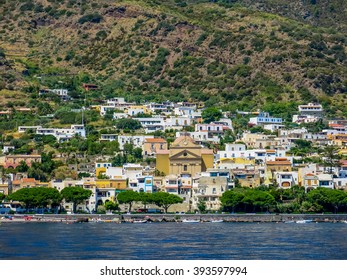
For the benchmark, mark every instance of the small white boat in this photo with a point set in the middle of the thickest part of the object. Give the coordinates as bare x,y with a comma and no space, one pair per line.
139,221
190,221
344,221
217,221
304,221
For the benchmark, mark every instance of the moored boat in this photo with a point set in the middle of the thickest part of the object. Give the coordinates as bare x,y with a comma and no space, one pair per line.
139,221
304,221
217,221
190,221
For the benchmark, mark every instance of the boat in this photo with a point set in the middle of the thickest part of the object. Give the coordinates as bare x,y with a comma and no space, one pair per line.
139,221
217,221
190,221
304,221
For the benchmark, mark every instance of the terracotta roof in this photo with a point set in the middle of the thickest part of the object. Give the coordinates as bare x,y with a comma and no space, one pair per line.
206,151
16,182
335,125
183,137
155,140
28,180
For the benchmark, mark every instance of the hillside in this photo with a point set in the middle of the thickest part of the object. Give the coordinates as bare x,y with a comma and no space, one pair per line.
240,54
324,13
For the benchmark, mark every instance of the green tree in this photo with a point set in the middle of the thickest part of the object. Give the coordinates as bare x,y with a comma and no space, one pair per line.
165,200
75,195
128,197
211,114
202,206
231,199
22,167
130,124
111,206
37,197
145,198
2,197
137,152
25,196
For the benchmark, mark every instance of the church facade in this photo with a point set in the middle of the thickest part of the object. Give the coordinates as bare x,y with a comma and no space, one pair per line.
184,158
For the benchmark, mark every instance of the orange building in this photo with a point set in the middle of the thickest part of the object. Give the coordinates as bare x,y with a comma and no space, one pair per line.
152,145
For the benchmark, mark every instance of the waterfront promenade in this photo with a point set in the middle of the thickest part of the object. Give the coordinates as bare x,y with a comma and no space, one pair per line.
118,218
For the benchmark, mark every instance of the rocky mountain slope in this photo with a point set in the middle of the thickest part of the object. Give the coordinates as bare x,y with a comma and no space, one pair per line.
238,54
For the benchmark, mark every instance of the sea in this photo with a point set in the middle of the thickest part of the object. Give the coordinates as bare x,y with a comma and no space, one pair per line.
173,241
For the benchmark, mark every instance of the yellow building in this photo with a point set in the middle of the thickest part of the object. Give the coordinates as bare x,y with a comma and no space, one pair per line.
152,145
184,157
4,188
100,171
277,165
233,161
119,184
135,109
28,183
339,139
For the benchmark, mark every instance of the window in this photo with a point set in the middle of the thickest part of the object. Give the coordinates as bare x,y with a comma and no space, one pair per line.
185,167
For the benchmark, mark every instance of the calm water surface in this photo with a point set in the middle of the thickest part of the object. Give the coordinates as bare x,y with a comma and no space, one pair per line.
154,241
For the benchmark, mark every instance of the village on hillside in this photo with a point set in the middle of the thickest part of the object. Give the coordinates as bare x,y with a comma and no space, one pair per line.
180,148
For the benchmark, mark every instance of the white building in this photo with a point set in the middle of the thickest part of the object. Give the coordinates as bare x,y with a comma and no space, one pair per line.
185,110
264,118
200,137
117,116
142,184
209,190
136,140
286,179
273,127
105,108
308,113
177,122
239,151
165,107
152,124
311,109
108,137
115,172
62,93
325,181
62,134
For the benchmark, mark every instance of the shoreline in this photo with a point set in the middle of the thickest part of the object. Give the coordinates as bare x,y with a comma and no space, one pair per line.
177,218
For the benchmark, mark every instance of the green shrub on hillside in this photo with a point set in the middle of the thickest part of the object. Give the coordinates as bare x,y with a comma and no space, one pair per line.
94,18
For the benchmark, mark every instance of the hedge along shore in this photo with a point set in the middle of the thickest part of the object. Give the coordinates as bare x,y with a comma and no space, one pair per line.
118,218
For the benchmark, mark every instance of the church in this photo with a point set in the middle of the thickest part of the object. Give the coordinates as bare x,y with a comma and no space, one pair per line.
184,158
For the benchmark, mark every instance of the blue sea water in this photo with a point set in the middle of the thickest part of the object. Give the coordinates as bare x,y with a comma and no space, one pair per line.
163,241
